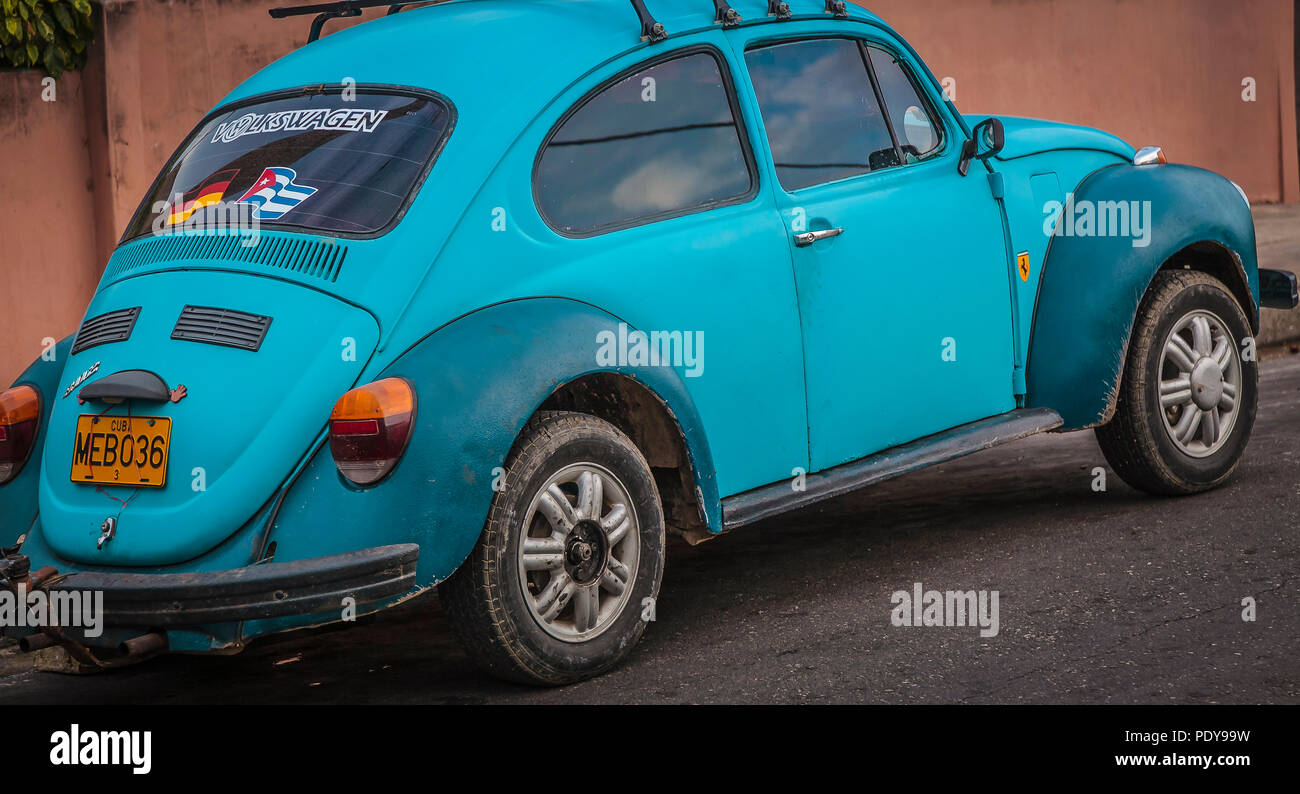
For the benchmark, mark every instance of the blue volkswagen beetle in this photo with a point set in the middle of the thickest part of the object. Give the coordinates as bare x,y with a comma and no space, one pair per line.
419,305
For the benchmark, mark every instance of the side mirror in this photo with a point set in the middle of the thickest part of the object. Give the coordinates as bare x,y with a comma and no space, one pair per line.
987,139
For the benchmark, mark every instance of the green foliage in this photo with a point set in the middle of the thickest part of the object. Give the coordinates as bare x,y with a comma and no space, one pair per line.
47,34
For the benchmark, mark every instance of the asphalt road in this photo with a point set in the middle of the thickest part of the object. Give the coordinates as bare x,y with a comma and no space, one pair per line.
1108,596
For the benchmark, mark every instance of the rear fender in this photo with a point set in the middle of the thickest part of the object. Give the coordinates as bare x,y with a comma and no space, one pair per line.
477,381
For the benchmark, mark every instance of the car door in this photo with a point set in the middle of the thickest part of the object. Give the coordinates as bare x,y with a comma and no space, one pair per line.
650,205
900,262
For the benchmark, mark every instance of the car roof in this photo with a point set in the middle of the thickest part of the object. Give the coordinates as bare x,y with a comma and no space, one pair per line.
499,62
519,53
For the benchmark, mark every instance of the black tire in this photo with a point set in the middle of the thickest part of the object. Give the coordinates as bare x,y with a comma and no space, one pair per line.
485,597
1136,442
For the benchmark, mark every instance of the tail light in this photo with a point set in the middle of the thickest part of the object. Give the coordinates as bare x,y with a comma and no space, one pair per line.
20,417
369,429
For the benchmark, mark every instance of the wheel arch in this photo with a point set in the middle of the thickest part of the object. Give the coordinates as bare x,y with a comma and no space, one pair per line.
645,417
1213,258
1084,314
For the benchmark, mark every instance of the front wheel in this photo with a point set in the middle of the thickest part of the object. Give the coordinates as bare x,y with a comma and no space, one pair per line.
1187,398
570,559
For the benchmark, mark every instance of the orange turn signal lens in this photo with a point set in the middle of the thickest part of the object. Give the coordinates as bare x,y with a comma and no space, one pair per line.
370,427
19,405
20,416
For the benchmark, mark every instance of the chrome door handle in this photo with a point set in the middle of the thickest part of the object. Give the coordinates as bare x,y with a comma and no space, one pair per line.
808,238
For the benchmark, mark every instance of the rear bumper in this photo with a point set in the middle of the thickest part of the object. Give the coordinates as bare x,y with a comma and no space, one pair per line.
271,590
1277,289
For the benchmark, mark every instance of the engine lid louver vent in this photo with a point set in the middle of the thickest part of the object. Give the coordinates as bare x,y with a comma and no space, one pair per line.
221,327
115,326
321,259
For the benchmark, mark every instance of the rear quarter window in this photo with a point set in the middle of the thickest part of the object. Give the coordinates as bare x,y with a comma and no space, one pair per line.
914,120
659,142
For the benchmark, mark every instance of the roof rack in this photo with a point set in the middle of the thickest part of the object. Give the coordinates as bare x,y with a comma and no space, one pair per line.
344,8
651,30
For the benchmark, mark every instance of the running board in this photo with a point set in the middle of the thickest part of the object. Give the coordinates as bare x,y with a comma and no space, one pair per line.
780,497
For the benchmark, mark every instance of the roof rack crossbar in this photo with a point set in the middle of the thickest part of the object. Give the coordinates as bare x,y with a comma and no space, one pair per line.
651,30
401,5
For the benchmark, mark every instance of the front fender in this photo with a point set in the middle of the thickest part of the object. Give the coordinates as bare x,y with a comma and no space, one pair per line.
18,497
1092,285
477,381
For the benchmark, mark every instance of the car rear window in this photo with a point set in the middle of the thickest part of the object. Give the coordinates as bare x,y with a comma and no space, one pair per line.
657,143
327,162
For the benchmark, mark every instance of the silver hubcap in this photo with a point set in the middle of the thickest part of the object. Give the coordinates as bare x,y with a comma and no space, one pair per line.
578,557
1200,380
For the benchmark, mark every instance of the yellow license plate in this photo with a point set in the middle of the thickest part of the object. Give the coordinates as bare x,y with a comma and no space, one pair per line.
122,450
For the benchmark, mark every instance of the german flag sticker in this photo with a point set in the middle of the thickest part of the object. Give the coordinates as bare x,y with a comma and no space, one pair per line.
1022,265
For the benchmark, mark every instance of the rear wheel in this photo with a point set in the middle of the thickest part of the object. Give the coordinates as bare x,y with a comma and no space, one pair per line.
571,554
1187,399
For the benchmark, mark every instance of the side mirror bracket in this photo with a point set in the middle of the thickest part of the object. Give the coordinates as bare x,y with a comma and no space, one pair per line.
986,140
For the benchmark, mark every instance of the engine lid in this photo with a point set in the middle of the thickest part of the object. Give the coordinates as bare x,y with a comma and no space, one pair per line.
236,372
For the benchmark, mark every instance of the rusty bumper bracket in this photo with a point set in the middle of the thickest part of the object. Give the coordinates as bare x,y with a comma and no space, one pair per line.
269,590
17,577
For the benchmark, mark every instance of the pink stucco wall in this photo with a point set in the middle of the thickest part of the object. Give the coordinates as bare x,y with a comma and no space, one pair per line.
48,262
1165,72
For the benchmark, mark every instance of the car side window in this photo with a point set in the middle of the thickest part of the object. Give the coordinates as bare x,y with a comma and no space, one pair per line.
660,142
821,113
912,117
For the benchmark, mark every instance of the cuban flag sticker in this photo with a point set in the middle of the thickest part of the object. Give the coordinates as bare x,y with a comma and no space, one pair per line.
275,193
